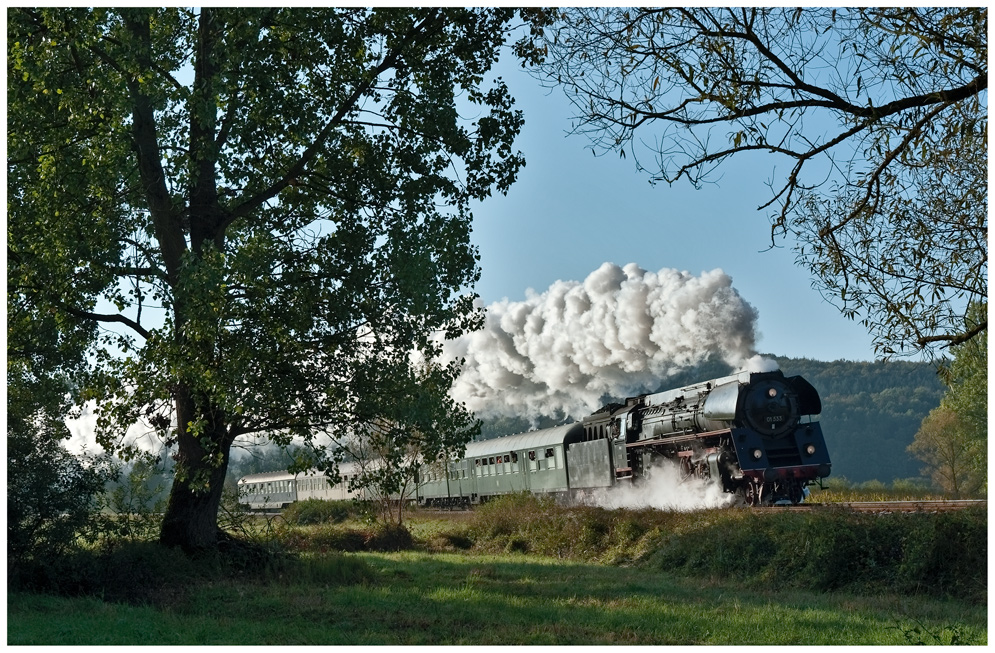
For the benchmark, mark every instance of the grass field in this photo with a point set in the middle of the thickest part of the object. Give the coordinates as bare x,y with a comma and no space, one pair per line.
471,599
523,570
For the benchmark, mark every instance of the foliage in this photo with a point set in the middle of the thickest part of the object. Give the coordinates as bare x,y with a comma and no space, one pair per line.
953,439
52,500
269,206
531,524
143,573
52,494
321,539
317,511
880,114
390,448
944,445
942,554
138,500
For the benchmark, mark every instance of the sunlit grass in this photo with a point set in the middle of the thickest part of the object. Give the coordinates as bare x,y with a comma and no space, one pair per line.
419,598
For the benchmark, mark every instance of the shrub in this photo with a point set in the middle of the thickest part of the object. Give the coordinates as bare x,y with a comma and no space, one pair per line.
130,571
321,539
940,554
389,537
317,511
52,501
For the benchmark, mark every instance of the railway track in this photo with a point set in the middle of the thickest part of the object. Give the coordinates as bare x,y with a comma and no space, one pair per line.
889,506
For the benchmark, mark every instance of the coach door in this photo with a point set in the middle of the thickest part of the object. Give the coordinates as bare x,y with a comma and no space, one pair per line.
522,469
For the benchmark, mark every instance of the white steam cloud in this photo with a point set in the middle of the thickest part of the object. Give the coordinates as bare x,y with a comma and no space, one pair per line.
664,489
619,332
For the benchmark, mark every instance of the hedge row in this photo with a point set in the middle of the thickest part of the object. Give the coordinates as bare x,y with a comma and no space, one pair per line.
943,554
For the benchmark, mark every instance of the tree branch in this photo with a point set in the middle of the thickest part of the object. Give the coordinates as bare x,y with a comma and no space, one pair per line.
247,206
98,317
954,339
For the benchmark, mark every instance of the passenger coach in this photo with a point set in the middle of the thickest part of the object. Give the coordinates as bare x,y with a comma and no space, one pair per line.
277,490
528,462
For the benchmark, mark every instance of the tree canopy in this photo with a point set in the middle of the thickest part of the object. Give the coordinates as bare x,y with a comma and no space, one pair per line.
264,211
879,113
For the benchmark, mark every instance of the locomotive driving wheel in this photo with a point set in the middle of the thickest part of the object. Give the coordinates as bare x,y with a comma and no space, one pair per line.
750,492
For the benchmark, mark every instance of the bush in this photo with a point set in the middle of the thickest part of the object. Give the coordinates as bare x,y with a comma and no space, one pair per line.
317,511
321,539
52,500
534,524
132,572
389,537
143,573
939,554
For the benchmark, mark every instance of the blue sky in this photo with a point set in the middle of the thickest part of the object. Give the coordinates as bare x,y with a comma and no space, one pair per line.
571,211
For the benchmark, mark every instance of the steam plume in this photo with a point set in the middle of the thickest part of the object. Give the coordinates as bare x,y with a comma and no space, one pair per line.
663,488
619,332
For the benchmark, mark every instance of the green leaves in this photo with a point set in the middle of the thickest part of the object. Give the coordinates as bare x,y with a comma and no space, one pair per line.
274,200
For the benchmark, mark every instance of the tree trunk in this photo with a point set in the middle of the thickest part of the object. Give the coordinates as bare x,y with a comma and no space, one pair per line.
191,518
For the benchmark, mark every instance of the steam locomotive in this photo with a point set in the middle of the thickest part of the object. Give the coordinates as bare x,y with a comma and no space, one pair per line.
756,434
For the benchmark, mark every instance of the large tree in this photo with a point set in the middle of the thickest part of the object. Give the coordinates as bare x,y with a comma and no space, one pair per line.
879,114
267,208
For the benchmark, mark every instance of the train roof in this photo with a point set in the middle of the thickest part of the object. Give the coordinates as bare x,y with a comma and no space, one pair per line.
265,477
532,440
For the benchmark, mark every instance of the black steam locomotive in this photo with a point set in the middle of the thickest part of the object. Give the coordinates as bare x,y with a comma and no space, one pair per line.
757,434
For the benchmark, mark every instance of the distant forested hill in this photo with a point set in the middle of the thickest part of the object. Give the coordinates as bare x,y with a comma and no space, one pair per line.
870,411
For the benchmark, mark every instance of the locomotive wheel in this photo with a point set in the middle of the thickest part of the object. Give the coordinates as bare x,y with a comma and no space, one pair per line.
750,493
687,469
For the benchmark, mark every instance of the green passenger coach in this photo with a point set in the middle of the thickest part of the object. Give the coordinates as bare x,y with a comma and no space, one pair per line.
528,462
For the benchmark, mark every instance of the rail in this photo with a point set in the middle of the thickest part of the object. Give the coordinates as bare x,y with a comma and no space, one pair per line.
891,506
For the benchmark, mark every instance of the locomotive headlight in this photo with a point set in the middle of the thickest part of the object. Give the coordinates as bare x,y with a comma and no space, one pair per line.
772,393
810,449
757,454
